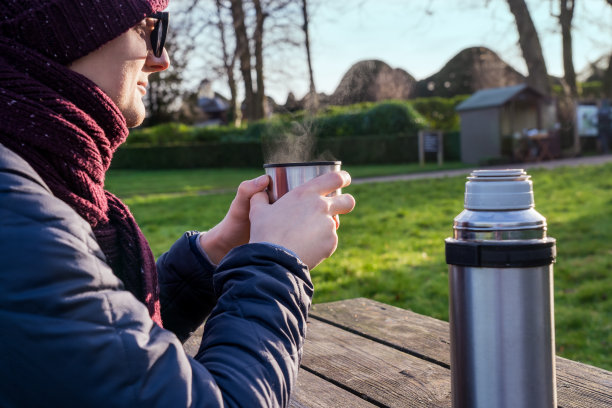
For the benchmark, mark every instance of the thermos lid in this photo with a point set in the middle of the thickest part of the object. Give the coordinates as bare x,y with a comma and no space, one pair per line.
508,189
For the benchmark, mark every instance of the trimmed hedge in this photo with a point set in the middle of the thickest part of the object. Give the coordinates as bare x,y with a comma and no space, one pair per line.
357,120
364,133
351,150
215,154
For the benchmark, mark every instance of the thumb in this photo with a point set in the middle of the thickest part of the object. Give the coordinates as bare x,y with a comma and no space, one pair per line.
250,187
246,189
259,199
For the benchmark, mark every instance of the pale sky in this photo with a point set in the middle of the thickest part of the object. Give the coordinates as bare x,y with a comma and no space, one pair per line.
402,34
420,36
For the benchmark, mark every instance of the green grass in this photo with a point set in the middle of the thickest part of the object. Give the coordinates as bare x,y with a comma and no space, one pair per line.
128,183
392,246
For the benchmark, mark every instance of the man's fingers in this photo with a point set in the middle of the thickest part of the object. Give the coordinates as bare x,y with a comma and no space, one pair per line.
247,188
329,182
342,204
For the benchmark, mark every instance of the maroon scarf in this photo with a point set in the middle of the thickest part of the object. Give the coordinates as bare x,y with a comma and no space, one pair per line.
67,129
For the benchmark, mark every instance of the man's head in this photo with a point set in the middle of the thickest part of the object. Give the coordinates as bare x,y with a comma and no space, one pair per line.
108,41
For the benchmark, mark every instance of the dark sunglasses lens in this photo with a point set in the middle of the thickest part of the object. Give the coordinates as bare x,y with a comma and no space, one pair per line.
156,37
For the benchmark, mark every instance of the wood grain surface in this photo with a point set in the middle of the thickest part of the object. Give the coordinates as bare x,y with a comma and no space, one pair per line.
578,385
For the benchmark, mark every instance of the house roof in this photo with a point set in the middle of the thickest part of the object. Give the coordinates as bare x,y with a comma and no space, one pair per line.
492,97
212,105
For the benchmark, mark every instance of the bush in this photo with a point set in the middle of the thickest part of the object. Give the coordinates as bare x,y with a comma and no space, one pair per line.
173,134
385,118
440,112
164,134
363,133
592,89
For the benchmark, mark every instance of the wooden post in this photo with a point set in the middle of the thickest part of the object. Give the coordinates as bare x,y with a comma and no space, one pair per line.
440,148
421,148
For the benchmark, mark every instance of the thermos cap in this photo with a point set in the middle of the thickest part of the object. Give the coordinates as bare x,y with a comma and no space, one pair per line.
508,189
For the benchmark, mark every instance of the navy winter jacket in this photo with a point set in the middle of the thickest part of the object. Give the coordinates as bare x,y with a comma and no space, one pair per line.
70,336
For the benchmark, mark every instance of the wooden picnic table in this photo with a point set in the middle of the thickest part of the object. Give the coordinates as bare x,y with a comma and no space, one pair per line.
363,353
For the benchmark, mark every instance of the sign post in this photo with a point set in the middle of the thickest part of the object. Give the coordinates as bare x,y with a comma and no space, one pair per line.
430,141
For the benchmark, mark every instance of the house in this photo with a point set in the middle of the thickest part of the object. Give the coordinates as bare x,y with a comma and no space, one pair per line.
213,105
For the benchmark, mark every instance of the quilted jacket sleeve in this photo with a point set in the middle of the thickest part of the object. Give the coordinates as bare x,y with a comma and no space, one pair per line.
186,286
70,336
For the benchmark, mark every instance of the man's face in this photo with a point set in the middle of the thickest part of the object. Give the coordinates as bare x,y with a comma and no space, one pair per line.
121,69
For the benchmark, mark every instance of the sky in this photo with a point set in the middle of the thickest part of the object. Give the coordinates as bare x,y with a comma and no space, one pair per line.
420,36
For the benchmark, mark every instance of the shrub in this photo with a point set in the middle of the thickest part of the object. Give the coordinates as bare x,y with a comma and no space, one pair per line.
164,134
591,89
440,112
172,134
368,118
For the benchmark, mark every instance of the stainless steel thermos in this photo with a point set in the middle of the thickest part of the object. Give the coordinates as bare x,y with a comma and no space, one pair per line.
501,297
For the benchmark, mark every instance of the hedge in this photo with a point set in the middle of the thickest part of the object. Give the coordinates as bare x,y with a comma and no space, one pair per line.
364,133
383,118
399,148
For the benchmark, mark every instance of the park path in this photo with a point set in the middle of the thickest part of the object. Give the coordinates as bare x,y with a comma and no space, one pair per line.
551,164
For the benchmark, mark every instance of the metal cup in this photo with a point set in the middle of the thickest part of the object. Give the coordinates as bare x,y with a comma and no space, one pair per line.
284,177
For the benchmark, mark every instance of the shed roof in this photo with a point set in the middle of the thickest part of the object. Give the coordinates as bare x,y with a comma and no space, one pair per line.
492,97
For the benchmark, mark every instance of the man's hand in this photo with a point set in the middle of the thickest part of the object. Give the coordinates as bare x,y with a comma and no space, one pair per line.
303,220
234,229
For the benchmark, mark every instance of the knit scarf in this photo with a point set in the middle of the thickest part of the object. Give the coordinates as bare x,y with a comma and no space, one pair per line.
67,129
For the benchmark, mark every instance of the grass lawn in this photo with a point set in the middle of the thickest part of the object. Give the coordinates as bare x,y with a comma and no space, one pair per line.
392,246
127,183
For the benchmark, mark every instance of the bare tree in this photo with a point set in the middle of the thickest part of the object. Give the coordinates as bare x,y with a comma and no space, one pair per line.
244,54
607,78
530,46
229,63
570,88
565,17
258,33
313,99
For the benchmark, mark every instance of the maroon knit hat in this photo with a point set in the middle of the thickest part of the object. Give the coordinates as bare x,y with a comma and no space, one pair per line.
65,30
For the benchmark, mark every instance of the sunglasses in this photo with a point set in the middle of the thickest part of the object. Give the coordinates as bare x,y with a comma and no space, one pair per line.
158,35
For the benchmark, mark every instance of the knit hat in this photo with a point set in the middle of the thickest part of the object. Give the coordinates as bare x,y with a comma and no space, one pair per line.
65,30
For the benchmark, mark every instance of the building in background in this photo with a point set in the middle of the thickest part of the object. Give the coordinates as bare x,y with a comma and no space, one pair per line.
213,106
495,122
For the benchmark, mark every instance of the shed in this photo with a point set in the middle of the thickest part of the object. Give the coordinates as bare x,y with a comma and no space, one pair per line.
491,117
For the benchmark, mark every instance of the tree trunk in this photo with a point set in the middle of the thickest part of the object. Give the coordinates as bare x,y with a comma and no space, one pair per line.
569,77
243,52
607,79
234,114
565,19
530,46
313,100
258,108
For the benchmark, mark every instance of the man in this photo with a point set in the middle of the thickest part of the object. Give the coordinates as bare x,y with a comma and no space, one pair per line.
82,303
